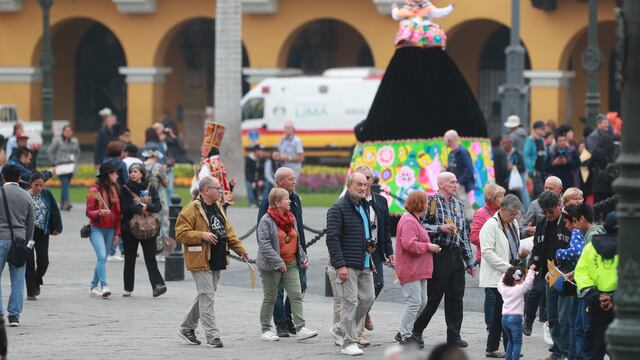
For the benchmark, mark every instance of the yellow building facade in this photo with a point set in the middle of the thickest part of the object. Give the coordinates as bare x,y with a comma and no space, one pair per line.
142,57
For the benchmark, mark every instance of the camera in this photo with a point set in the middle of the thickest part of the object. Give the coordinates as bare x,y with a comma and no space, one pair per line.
372,243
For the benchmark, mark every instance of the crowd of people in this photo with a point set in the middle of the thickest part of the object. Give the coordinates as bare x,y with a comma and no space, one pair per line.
565,276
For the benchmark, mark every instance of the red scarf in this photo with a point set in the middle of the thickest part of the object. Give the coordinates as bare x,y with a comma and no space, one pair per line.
284,220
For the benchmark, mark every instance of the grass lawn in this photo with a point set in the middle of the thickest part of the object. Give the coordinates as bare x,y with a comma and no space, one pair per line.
79,195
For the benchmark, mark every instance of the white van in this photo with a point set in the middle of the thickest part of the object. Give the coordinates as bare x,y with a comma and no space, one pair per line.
324,110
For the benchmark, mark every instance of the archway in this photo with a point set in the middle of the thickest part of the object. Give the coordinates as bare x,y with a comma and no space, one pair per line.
188,49
325,43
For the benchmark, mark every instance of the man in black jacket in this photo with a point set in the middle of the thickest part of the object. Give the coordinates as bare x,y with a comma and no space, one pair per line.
378,211
350,247
106,134
285,178
551,234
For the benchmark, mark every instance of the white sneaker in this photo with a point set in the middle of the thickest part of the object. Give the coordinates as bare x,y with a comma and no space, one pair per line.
106,292
126,293
352,349
305,333
96,291
115,258
270,336
337,334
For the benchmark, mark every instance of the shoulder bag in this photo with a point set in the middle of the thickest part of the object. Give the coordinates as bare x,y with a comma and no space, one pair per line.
18,251
143,226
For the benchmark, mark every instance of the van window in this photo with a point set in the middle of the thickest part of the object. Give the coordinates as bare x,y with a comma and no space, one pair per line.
253,109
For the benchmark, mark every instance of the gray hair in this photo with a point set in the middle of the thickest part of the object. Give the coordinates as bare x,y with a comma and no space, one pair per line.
281,173
452,134
556,180
205,182
511,203
367,168
351,176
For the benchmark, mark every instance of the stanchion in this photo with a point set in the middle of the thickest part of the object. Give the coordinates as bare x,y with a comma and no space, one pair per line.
174,263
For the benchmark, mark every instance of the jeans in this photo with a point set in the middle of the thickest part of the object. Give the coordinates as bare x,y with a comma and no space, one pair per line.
251,193
101,239
282,307
65,180
559,316
582,323
14,308
600,320
489,304
512,326
415,299
495,330
524,194
271,281
573,303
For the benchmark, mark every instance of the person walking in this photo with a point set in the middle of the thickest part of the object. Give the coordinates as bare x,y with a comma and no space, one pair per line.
106,134
414,263
204,229
461,165
138,197
103,211
500,243
279,255
285,178
65,150
18,221
350,248
157,175
47,221
114,156
513,288
517,133
493,195
535,156
290,150
447,227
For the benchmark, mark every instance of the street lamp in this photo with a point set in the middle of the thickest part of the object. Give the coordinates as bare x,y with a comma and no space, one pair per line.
513,93
624,333
592,62
46,66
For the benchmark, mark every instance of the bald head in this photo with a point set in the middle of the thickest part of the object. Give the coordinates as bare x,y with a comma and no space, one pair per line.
451,139
447,184
285,178
553,184
288,128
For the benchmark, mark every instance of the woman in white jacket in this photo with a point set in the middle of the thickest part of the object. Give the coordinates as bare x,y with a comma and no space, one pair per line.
499,243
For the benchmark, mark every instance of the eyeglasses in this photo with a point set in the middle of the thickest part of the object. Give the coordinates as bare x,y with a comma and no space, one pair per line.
368,177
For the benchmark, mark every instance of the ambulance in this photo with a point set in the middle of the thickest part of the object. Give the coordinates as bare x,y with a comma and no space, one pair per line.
324,110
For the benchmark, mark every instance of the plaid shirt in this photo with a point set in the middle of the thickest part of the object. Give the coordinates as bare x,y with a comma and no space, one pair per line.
452,210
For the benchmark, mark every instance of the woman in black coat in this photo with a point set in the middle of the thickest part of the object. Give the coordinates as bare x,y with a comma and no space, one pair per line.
137,197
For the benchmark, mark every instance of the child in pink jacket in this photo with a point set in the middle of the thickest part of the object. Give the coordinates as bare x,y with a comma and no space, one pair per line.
513,287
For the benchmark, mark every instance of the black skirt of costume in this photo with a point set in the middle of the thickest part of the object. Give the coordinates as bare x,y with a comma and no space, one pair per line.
422,95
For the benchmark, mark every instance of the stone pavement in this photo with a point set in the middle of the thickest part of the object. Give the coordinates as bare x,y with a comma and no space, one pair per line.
66,323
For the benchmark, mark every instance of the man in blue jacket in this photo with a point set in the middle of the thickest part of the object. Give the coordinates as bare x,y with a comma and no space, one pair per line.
535,156
22,159
461,165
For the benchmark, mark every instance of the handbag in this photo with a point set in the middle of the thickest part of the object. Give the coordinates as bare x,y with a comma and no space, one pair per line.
19,250
85,231
515,180
143,226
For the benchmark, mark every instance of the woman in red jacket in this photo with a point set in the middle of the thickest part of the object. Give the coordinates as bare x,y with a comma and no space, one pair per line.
103,211
414,263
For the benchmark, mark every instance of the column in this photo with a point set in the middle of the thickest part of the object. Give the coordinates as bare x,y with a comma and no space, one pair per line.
551,95
145,86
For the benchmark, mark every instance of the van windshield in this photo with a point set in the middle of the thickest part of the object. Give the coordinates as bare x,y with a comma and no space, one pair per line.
253,109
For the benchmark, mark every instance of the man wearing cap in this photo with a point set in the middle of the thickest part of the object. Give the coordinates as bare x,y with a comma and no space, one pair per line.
535,156
516,133
106,134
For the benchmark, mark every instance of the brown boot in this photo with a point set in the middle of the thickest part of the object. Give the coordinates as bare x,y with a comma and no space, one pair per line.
368,324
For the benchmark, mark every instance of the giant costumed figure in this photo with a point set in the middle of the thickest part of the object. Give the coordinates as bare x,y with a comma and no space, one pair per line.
211,163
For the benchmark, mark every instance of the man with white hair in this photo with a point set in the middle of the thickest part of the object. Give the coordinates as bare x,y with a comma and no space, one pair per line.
461,165
285,179
290,150
448,228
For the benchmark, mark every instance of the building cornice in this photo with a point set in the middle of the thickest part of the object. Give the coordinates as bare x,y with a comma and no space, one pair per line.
256,75
19,74
259,6
136,6
144,75
549,78
10,5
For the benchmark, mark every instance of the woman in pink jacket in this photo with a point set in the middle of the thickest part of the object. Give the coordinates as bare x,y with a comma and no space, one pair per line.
414,263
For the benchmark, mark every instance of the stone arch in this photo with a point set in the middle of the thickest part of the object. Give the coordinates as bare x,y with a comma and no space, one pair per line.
352,48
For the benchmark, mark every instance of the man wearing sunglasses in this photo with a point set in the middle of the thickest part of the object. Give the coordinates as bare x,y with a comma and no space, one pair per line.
551,234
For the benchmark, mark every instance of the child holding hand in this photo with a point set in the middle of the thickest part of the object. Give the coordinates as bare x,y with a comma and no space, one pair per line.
513,288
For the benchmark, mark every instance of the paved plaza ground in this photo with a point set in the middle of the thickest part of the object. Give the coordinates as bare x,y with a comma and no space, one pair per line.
65,323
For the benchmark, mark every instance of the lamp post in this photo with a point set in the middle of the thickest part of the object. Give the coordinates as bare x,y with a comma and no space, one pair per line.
624,333
513,94
592,62
46,66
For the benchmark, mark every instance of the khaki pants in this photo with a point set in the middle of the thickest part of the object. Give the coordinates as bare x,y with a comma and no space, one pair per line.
202,307
356,295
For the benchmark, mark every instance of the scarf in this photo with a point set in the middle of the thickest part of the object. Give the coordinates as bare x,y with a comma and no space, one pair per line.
283,220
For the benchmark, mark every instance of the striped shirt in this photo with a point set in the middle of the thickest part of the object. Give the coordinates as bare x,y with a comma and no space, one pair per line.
446,212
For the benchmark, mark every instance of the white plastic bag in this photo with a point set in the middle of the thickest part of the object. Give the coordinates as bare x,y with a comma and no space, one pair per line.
547,335
515,180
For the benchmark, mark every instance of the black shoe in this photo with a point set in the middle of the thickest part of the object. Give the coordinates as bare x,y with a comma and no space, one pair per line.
189,337
291,328
459,343
159,290
31,297
398,337
419,339
14,321
527,328
214,343
282,331
37,291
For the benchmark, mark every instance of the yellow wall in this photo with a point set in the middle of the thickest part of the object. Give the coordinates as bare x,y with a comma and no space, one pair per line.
551,39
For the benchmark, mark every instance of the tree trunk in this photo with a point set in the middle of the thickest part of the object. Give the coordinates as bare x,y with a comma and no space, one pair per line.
228,87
